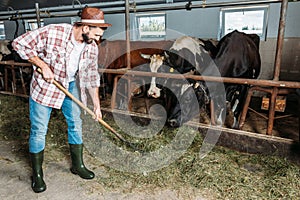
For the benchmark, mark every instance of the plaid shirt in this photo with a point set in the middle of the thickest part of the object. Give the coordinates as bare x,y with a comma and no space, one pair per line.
52,43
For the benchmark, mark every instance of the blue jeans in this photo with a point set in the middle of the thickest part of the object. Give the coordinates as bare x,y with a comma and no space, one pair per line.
40,116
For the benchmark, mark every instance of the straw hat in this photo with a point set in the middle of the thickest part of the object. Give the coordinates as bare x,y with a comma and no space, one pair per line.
93,17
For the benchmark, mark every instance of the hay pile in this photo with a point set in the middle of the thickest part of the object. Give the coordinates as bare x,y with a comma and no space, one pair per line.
222,174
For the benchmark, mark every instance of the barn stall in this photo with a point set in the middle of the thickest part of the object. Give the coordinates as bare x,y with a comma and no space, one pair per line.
265,140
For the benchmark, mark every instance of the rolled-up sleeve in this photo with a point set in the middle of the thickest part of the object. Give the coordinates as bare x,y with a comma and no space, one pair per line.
30,44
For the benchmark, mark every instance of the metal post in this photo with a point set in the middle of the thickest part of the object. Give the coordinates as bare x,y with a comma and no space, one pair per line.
278,56
38,19
280,39
127,26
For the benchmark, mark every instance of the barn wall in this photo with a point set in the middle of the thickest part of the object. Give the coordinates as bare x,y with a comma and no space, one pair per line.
204,23
57,20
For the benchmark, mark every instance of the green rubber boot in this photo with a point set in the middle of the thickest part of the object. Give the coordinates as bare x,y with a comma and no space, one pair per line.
38,184
77,162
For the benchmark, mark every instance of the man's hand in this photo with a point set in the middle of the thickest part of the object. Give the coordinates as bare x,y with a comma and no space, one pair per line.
94,93
48,74
98,113
46,71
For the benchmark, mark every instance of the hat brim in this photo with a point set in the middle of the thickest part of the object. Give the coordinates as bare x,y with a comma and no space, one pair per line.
101,25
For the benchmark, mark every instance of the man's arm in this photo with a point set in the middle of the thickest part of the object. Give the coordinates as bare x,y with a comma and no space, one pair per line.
29,45
94,93
47,72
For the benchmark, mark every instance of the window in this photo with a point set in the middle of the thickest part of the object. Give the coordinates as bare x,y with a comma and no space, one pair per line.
244,19
2,31
151,26
32,24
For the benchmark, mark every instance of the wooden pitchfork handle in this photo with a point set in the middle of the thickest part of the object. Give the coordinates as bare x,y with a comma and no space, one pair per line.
59,86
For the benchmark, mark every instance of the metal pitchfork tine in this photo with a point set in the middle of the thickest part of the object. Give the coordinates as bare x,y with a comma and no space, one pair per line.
101,121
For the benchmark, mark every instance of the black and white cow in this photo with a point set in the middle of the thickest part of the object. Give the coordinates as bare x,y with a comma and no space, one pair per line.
186,55
187,101
191,57
236,55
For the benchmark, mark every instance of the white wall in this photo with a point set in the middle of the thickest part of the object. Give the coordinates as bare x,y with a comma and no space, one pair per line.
204,23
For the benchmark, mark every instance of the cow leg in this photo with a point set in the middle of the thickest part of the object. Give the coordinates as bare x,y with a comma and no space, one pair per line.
1,81
237,102
109,78
219,111
169,101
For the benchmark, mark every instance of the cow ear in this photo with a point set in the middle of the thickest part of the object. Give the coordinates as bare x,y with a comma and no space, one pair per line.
145,56
166,55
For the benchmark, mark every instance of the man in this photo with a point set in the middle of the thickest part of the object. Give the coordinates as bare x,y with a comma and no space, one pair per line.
65,53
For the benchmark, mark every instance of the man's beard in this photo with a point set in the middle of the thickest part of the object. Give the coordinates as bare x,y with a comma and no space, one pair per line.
86,38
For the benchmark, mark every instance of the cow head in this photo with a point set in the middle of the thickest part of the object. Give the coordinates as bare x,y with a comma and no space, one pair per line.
156,61
189,53
180,60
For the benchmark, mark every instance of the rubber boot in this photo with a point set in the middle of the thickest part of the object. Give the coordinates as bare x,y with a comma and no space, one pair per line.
77,162
38,184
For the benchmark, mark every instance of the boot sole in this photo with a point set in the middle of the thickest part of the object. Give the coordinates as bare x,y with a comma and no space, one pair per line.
75,172
39,190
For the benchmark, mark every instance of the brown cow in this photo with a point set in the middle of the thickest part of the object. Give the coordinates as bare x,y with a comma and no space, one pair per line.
112,54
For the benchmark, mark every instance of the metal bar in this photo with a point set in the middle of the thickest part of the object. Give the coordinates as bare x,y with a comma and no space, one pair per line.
284,116
22,79
207,5
261,115
14,94
14,80
127,25
64,8
5,78
114,92
245,108
258,82
272,111
278,56
108,8
37,11
10,62
280,39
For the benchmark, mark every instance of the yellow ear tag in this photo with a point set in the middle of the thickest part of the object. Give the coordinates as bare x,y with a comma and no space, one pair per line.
171,69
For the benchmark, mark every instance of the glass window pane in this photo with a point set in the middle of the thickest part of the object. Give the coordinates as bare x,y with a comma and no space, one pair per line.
151,26
32,24
248,20
2,31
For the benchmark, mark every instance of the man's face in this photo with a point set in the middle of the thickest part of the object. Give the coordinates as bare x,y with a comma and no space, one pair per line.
92,33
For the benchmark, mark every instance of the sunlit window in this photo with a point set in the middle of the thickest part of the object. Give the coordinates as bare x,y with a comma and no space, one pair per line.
151,26
2,31
32,24
244,19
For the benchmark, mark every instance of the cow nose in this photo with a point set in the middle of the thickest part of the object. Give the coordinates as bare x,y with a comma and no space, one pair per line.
152,94
173,123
